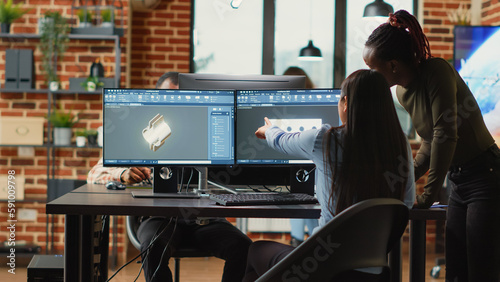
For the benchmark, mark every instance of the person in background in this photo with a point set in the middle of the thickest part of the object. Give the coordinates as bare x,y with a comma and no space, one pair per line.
218,236
455,141
298,71
352,160
169,80
297,234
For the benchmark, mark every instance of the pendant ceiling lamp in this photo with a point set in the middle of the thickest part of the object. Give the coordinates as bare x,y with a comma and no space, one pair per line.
310,52
235,4
378,8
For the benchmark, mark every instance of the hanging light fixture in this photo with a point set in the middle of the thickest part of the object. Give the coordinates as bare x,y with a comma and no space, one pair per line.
310,52
378,8
235,4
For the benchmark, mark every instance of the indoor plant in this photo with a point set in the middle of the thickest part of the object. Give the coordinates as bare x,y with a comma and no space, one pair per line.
85,17
53,44
81,137
9,13
92,83
62,123
107,18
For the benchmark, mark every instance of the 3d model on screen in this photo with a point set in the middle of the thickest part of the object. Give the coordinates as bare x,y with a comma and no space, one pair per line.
156,132
297,125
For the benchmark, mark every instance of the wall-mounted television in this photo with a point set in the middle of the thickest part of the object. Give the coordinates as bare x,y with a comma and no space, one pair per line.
477,61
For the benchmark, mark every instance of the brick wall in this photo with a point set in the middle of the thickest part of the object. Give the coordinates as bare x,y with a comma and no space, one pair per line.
159,43
490,12
69,163
438,27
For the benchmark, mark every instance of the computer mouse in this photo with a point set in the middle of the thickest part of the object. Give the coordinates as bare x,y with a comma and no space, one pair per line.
115,185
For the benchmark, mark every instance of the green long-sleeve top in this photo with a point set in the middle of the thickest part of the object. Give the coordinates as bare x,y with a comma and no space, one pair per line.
447,117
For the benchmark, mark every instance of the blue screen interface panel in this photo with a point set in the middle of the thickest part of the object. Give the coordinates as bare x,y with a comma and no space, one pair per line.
145,127
291,110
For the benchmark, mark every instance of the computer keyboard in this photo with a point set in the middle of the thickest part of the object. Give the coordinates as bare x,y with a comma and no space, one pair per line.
250,199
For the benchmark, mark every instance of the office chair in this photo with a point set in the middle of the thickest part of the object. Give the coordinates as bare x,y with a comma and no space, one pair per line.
361,236
132,225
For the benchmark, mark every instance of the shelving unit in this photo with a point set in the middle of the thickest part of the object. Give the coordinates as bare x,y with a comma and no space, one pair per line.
52,95
114,6
94,37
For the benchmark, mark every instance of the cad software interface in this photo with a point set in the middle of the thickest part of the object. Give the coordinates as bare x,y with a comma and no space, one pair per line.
168,127
291,110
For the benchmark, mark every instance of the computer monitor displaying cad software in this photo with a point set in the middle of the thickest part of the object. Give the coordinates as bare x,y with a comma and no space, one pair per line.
291,110
166,127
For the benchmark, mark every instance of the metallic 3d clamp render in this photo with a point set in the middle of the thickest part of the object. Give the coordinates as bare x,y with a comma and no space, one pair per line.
156,132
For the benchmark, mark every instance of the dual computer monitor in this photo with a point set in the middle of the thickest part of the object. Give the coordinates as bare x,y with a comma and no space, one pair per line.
212,127
148,127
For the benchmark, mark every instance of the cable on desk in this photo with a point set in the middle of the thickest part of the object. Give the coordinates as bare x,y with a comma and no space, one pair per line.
280,189
181,179
253,189
189,180
267,188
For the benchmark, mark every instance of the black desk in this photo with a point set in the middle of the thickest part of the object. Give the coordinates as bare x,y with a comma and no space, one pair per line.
418,219
82,207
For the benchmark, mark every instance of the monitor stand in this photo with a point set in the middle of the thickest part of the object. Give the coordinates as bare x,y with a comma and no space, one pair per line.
165,188
203,182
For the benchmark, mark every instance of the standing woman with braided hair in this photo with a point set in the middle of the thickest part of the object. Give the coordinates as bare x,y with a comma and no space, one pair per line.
455,140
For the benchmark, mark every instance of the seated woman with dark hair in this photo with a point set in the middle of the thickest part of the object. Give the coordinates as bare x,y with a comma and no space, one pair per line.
367,157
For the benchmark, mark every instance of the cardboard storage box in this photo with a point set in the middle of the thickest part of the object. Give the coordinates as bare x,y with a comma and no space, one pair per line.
21,130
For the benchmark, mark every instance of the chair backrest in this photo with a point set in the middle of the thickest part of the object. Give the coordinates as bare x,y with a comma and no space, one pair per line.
132,224
361,236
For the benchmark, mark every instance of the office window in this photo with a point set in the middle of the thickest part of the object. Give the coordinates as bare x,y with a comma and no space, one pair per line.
297,22
227,40
358,30
230,41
